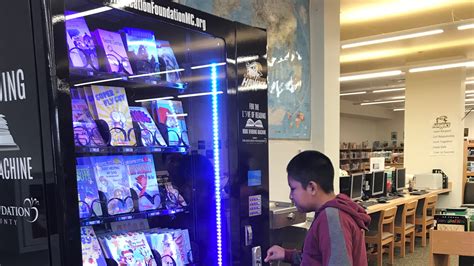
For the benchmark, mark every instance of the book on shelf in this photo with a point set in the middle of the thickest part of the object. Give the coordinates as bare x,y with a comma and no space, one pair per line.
86,94
82,50
142,176
115,55
112,180
129,248
142,51
112,106
84,126
87,189
171,196
181,238
91,252
170,113
167,57
451,222
164,243
149,131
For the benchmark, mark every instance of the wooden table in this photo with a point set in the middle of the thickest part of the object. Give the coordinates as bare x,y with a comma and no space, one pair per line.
407,198
445,243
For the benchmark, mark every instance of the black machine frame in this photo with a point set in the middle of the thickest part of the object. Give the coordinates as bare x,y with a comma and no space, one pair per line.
57,140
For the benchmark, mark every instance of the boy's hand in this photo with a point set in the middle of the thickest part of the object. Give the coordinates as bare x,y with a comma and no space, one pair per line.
275,253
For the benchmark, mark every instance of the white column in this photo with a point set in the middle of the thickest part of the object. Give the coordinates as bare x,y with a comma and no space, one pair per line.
430,142
325,69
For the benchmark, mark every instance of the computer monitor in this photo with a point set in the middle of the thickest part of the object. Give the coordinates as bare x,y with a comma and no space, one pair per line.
356,186
378,183
345,185
400,179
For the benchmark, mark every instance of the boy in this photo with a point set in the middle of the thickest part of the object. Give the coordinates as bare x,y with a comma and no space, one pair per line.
336,236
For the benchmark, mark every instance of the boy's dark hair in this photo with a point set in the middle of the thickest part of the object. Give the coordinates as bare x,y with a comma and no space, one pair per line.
312,166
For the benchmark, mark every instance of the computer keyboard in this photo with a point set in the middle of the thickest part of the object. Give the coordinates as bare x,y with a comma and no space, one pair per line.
418,192
366,204
392,197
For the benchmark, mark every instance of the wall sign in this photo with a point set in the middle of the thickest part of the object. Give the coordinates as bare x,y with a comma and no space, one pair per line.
442,136
253,122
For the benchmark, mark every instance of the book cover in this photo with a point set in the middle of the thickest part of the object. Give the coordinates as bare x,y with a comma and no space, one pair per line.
170,113
130,249
88,193
82,50
91,252
149,131
112,180
174,199
447,222
142,50
166,54
86,94
142,176
116,59
85,129
112,106
181,238
163,243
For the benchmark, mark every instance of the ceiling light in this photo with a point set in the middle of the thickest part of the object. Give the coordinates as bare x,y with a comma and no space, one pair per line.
398,109
352,93
373,10
469,82
388,90
392,39
469,104
398,97
470,100
466,26
348,55
469,91
382,102
469,95
371,75
439,67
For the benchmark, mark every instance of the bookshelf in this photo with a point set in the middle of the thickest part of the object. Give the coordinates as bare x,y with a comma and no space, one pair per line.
393,155
468,163
354,157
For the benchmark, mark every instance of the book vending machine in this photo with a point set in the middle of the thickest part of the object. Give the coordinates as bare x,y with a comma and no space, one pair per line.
132,133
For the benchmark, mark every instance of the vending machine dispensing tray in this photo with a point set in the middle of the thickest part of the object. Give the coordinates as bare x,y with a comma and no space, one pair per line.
283,214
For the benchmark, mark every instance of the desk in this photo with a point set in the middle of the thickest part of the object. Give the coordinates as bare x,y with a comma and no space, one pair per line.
407,198
445,243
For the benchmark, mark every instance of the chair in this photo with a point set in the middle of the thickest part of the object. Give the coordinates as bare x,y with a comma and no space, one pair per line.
405,226
383,234
468,195
424,219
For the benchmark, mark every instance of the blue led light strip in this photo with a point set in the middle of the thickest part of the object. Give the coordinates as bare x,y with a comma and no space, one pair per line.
217,178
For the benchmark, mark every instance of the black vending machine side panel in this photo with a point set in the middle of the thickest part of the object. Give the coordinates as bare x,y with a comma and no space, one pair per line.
252,172
25,153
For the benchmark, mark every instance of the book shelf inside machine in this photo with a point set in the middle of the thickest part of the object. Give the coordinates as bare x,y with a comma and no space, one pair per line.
145,101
